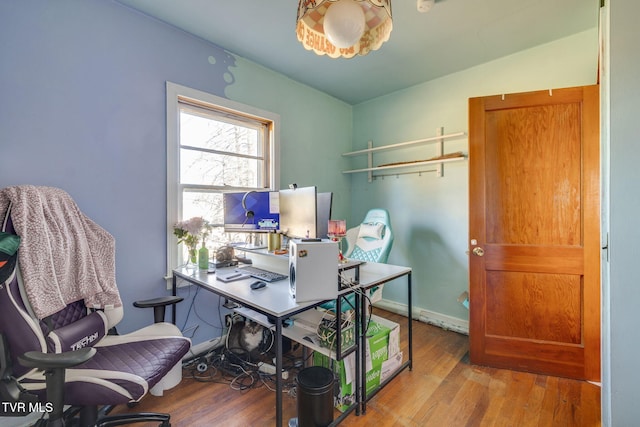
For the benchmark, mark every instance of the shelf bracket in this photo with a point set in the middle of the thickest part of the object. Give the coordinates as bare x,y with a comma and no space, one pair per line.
440,166
370,161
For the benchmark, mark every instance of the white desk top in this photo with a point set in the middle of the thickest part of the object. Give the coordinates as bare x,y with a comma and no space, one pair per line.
275,298
373,273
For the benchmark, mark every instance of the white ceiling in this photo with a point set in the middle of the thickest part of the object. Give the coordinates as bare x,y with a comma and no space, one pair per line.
453,36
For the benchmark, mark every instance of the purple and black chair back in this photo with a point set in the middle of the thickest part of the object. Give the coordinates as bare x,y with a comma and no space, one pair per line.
121,370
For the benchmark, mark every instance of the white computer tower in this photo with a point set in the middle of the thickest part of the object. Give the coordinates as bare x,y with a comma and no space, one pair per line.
313,269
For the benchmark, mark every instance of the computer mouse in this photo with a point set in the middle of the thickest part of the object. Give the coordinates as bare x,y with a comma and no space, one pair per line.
258,285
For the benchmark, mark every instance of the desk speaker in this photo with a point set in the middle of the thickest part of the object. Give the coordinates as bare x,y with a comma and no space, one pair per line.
313,269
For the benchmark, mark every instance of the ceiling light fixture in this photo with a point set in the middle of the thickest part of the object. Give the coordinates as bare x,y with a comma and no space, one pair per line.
343,28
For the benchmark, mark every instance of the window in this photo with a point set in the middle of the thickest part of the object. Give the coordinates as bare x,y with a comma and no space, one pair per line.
214,145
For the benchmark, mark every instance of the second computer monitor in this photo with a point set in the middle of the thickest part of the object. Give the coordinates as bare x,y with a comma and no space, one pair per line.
305,213
298,212
323,214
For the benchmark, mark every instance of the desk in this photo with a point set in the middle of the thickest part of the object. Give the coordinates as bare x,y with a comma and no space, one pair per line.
276,303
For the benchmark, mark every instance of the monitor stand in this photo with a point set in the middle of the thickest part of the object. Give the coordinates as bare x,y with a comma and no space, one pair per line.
250,246
255,242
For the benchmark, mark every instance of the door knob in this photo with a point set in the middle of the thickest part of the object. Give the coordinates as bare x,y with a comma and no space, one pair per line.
478,251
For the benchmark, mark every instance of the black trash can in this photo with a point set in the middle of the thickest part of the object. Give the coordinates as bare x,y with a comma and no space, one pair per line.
315,397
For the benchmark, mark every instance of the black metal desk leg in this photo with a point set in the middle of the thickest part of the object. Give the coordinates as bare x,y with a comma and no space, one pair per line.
278,372
174,292
362,350
410,326
358,331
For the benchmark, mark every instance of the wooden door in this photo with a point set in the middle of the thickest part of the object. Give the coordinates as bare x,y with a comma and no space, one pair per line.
534,231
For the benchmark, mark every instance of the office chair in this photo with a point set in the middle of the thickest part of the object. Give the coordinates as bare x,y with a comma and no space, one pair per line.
70,365
371,241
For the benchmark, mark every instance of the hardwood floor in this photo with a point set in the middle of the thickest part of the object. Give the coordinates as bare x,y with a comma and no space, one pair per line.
442,389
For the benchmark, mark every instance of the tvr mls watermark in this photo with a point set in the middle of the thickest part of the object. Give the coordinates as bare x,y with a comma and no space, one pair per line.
26,407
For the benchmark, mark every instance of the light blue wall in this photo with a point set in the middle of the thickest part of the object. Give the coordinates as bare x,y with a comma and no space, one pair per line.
83,109
624,346
430,214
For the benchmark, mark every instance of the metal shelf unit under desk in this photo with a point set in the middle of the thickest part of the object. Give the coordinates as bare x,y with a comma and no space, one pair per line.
372,275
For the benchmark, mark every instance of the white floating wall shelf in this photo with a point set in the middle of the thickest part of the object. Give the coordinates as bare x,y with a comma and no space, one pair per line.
439,160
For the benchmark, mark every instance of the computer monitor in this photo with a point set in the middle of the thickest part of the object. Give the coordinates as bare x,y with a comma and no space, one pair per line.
251,211
298,212
323,214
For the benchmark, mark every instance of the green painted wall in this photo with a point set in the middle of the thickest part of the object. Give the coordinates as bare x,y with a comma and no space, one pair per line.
430,214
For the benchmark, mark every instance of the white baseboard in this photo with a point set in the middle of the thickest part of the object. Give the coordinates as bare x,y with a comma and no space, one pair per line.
443,321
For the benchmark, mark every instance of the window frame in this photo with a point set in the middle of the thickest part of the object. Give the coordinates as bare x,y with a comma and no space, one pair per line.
175,96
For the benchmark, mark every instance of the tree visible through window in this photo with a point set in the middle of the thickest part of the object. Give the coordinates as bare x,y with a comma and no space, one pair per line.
216,149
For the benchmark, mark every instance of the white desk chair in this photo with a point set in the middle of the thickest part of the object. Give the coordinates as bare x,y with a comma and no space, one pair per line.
371,241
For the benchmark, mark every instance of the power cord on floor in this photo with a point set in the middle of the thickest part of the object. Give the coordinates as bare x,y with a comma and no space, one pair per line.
240,372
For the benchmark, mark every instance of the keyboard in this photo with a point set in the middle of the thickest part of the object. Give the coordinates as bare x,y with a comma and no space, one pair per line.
258,273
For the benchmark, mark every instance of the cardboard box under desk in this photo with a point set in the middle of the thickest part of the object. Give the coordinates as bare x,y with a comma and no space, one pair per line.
382,343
